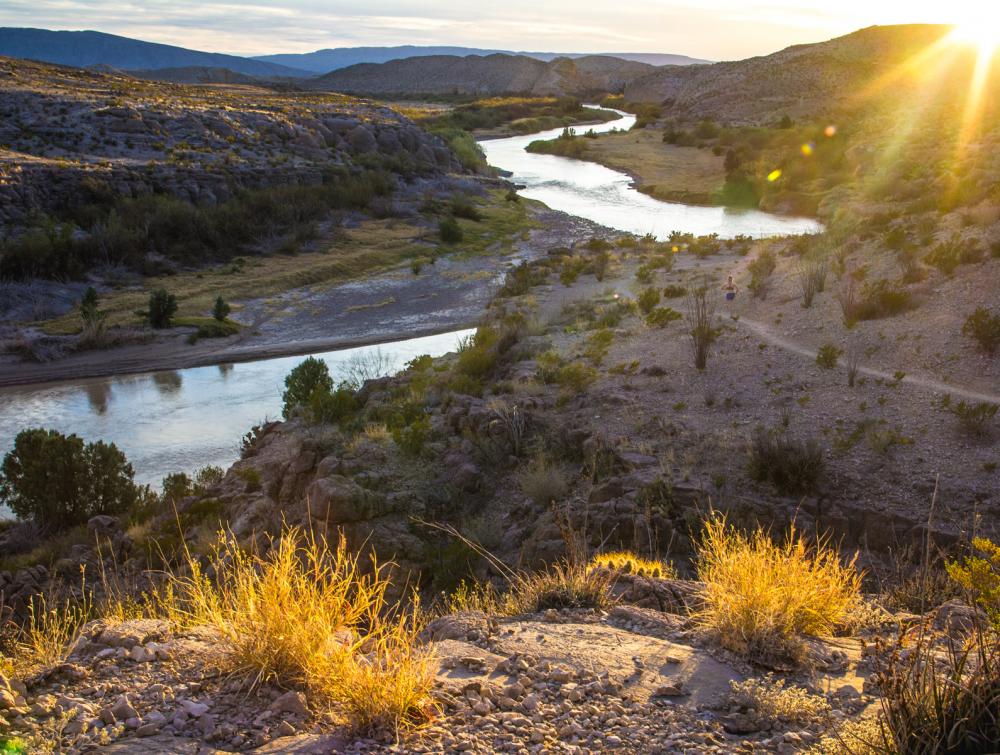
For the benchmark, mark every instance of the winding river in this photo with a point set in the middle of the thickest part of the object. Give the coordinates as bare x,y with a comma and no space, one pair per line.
182,420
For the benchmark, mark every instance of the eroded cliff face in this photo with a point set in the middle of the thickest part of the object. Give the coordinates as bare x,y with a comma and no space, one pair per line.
69,137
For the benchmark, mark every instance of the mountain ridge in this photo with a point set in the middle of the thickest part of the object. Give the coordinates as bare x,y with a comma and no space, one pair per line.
90,48
485,75
334,58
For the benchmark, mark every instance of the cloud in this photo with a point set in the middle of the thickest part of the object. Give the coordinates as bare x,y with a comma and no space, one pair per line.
717,29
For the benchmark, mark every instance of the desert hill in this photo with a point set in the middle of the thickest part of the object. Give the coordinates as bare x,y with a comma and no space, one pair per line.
799,80
489,75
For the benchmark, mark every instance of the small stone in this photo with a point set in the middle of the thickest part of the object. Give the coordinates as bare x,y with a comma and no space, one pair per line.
669,690
147,729
284,729
122,710
193,709
207,725
291,702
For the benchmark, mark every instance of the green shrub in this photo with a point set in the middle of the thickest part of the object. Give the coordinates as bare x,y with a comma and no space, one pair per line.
599,264
477,356
828,355
411,437
309,376
882,298
979,575
647,300
221,309
575,377
976,418
760,271
598,344
673,291
521,277
571,269
462,207
58,481
984,328
662,316
329,407
948,255
162,307
89,312
450,231
791,466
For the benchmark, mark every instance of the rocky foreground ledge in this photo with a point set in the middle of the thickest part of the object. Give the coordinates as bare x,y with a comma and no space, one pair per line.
631,679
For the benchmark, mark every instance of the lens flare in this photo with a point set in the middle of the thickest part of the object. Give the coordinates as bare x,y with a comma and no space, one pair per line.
983,34
774,175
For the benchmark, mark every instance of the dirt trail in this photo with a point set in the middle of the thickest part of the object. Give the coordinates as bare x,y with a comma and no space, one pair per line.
769,335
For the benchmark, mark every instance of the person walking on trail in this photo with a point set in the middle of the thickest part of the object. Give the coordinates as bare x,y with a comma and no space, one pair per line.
730,288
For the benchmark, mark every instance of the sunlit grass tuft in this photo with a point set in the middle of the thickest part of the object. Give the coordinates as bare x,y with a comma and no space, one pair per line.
760,596
629,563
304,615
559,586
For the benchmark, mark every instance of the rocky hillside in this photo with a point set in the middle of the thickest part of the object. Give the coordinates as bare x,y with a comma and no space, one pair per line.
799,80
70,136
488,75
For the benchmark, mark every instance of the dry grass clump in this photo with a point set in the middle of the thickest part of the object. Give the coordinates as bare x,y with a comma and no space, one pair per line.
542,480
772,701
565,585
47,634
304,615
760,596
861,737
627,562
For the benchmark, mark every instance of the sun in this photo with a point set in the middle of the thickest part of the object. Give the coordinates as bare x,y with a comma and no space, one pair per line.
981,33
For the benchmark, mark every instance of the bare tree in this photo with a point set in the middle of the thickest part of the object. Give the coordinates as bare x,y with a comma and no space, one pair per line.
369,364
701,313
848,297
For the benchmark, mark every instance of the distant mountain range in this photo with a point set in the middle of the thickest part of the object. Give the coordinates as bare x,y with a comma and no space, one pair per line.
92,48
324,61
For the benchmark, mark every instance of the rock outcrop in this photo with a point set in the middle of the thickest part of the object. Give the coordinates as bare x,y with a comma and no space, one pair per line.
68,141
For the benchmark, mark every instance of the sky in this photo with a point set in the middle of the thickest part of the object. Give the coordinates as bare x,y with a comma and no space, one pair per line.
712,29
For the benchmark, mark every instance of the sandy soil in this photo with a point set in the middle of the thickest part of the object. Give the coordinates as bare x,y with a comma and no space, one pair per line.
887,441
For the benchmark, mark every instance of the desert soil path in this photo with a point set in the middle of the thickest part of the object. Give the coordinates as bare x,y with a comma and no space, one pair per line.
773,338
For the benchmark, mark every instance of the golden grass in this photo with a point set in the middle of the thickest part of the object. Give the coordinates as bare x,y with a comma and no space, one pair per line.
628,562
760,596
664,171
304,615
301,616
565,585
48,634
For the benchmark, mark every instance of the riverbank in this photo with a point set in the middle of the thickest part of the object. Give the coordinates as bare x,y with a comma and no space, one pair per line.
447,295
